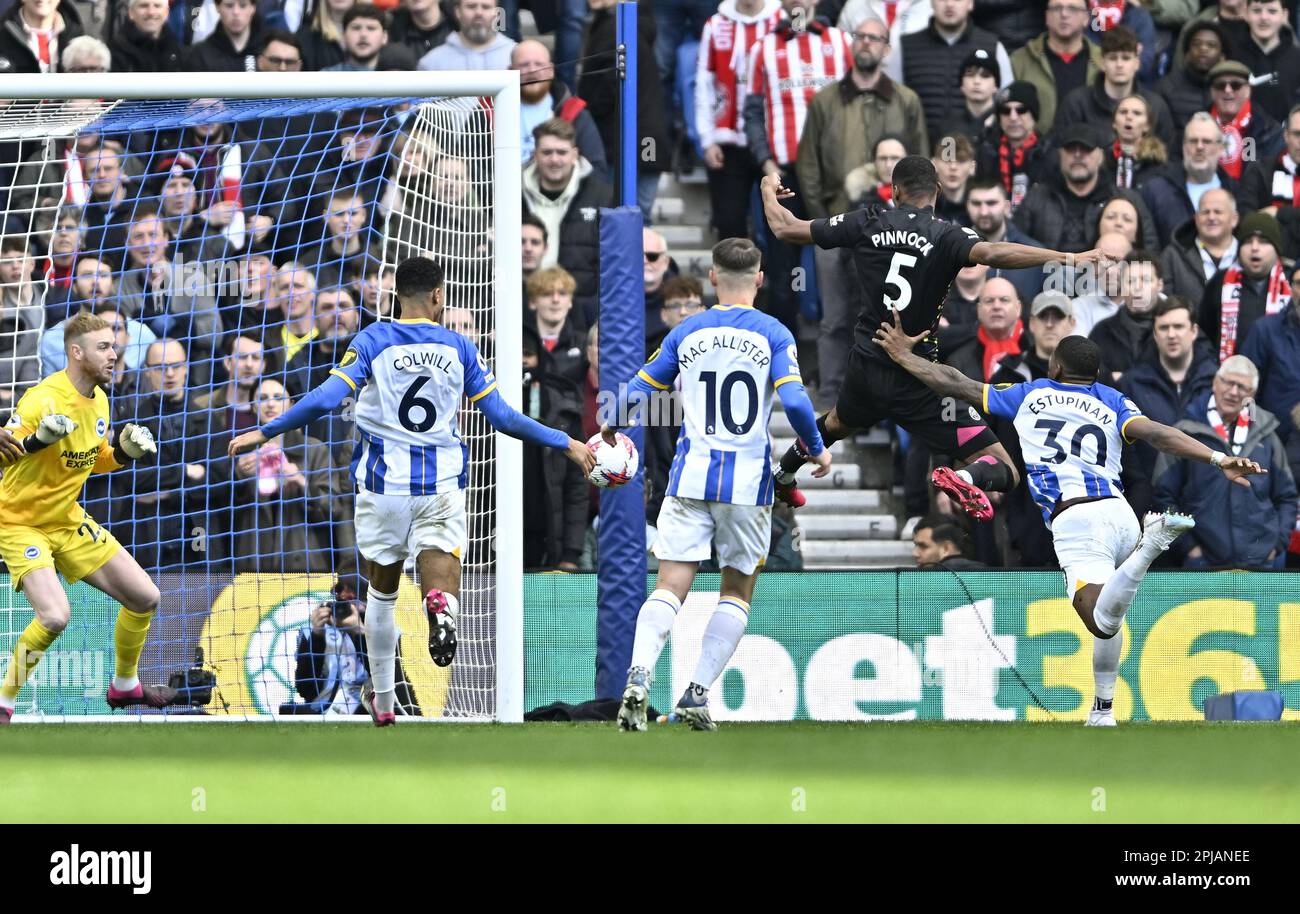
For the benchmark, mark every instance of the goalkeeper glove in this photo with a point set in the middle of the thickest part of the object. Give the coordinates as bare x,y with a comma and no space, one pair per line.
52,428
136,441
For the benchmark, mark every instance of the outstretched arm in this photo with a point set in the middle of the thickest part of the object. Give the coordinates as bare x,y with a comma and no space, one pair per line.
504,418
782,222
319,401
1008,255
942,379
1176,444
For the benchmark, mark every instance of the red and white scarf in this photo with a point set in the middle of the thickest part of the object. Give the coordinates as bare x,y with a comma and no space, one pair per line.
1233,133
44,43
1106,14
1011,162
996,350
1286,183
1279,296
1240,429
1125,165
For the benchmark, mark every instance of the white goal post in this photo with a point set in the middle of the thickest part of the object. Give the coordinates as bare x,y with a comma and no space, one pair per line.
26,118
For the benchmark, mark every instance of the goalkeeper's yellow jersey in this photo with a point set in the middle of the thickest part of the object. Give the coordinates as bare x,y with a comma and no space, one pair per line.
41,489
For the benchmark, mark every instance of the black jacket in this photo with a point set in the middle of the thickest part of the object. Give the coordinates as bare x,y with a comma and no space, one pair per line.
308,369
1251,307
15,54
1041,160
932,69
1012,21
135,52
1166,197
1148,385
600,92
1277,72
1257,192
1065,222
1185,92
1236,526
1181,266
216,54
580,242
555,489
1123,340
1091,105
402,30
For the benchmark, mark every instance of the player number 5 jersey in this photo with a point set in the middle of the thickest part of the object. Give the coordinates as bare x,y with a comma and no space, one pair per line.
730,358
1071,436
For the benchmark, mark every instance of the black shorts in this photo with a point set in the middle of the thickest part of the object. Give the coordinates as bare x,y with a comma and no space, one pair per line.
873,391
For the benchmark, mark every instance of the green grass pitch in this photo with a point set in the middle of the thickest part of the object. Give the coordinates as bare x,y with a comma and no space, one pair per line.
879,772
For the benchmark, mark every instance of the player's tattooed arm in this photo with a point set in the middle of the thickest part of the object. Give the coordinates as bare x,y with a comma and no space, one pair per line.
783,223
942,379
1007,255
1177,444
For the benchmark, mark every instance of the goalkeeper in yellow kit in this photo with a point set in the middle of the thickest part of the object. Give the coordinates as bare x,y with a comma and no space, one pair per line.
58,436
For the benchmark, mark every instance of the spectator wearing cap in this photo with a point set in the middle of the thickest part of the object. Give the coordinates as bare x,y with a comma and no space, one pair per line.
475,45
988,211
1273,186
1051,319
233,45
1236,526
1163,385
145,43
1174,196
1059,60
1063,211
934,58
1202,246
1241,120
1273,345
34,33
1248,290
1013,151
1271,53
978,81
1098,102
1186,89
1125,337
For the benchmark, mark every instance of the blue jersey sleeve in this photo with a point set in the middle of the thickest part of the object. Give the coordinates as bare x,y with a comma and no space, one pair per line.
1125,409
661,370
354,367
318,402
479,380
505,418
1004,399
785,357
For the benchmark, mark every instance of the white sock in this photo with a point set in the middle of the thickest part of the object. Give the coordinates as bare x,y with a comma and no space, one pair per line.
1117,594
453,606
965,477
653,623
381,645
1105,664
125,683
725,629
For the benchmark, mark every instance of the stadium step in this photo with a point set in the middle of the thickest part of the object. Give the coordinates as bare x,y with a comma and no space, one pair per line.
855,554
847,526
841,476
668,209
680,235
841,501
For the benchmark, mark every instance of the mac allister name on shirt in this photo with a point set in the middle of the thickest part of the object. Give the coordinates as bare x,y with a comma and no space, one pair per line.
741,345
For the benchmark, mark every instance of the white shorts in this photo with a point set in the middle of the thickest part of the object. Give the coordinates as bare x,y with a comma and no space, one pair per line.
1093,539
688,528
392,527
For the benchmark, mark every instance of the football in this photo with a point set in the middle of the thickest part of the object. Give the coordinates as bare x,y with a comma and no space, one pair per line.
616,464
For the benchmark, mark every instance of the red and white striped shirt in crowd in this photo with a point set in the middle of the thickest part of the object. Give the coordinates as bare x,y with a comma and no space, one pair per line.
787,68
720,73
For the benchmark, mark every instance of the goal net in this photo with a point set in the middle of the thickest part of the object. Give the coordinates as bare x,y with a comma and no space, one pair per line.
237,239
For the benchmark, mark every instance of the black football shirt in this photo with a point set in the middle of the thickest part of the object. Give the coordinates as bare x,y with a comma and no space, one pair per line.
906,259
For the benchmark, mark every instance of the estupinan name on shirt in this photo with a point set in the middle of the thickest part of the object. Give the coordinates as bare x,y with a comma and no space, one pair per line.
898,238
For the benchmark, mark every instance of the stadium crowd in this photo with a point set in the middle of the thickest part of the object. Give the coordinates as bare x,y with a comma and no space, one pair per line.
1166,134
